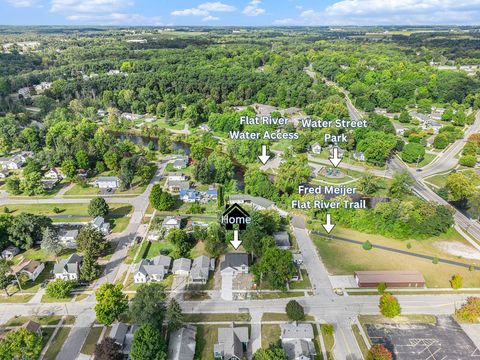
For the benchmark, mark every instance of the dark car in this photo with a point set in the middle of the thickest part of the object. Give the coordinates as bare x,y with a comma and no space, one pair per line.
138,239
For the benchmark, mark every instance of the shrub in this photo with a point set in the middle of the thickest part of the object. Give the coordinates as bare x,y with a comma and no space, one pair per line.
60,289
294,311
435,261
456,282
379,352
409,245
382,287
468,160
470,311
57,210
389,306
367,245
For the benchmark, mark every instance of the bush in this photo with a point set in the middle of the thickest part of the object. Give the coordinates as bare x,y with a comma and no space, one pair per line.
435,261
57,210
367,245
409,245
456,282
470,311
468,160
379,352
389,306
98,207
295,311
382,287
60,289
413,152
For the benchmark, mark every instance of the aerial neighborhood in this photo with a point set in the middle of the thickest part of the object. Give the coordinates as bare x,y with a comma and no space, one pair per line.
239,193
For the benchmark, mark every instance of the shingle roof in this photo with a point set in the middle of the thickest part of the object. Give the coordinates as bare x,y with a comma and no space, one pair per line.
182,264
69,265
182,343
235,260
282,238
200,268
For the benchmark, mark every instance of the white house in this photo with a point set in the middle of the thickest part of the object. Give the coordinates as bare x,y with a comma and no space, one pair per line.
31,268
201,268
182,266
235,263
4,173
10,252
68,269
108,182
176,176
101,225
68,238
53,174
153,269
297,341
44,85
130,116
316,148
172,222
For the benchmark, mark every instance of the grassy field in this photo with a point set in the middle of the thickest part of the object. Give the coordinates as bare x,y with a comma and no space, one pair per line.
402,319
304,283
216,317
92,338
57,344
428,158
20,298
270,335
42,320
329,342
206,338
282,317
81,209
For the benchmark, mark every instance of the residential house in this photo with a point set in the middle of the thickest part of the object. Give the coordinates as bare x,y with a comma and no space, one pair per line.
122,334
297,341
68,269
154,269
176,176
12,163
190,196
201,268
49,184
235,263
33,327
31,268
358,155
42,87
53,174
107,182
10,252
232,343
212,192
181,162
182,266
316,148
282,240
172,222
258,203
68,238
177,186
101,225
24,92
182,343
130,116
4,173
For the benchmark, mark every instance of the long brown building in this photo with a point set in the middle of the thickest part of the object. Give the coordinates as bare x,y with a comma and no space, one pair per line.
393,279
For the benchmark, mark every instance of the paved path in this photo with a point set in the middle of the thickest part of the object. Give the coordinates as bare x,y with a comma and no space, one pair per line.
256,330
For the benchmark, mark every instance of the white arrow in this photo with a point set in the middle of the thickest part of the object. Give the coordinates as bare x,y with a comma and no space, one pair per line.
264,157
235,243
328,226
335,160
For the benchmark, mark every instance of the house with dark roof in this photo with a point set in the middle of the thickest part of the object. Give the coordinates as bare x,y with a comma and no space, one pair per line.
235,263
182,343
232,343
181,162
68,269
101,225
122,334
282,240
297,341
154,269
10,252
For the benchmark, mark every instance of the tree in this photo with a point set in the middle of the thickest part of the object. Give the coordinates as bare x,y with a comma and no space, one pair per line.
368,184
149,305
275,267
456,282
174,316
21,344
50,241
377,146
181,240
69,169
461,185
6,276
441,141
215,243
148,344
161,200
108,349
32,184
27,229
367,245
98,207
468,160
294,311
91,241
469,311
389,306
413,153
274,352
13,185
111,303
381,288
126,174
60,289
401,184
379,352
89,270
404,117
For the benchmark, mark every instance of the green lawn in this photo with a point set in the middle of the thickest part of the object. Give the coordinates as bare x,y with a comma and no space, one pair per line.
270,335
16,298
329,341
116,210
207,336
57,344
216,317
42,320
438,180
79,190
304,283
153,248
268,316
92,338
275,295
428,158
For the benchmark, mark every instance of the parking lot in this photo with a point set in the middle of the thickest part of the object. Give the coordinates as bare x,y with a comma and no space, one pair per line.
442,341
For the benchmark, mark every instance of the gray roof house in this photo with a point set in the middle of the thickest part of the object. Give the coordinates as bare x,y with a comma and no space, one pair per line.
10,252
68,238
177,186
101,225
200,271
297,341
182,343
68,269
282,240
123,335
108,182
172,222
181,162
153,269
232,343
256,202
235,263
181,266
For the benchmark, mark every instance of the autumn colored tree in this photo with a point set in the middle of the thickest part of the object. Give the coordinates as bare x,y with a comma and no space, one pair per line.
379,352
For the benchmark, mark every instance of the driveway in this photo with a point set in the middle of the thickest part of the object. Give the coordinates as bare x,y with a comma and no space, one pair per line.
227,287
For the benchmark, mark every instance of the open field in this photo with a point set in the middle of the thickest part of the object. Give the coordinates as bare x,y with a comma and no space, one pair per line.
270,335
206,338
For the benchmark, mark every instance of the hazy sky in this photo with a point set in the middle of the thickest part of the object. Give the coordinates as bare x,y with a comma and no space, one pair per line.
239,12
